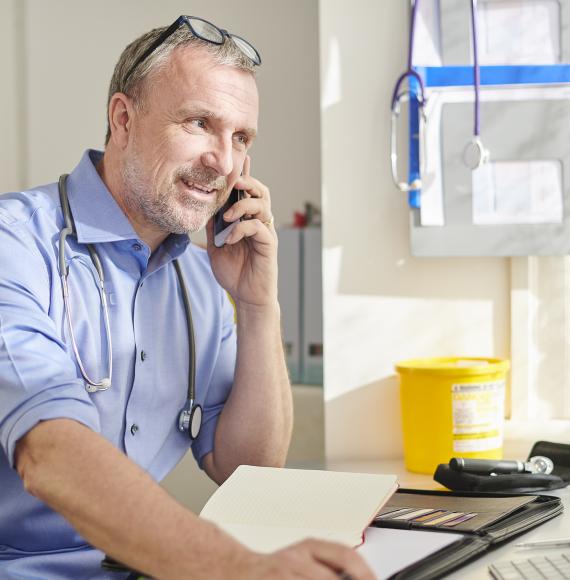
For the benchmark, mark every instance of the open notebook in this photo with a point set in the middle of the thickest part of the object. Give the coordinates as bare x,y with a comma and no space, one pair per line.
268,508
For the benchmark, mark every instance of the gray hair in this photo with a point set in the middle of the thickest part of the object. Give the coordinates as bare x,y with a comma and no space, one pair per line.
138,84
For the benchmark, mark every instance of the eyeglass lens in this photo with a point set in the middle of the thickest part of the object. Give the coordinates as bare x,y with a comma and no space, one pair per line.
206,30
245,47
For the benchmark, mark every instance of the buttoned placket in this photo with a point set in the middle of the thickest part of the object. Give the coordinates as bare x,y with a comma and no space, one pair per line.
145,370
141,253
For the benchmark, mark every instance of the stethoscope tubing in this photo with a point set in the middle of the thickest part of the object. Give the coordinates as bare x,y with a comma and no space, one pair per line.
92,385
399,96
190,328
476,69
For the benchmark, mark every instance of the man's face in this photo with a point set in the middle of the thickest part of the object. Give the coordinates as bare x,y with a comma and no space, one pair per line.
187,147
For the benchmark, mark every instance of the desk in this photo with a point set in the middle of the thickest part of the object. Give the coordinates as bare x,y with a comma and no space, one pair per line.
559,527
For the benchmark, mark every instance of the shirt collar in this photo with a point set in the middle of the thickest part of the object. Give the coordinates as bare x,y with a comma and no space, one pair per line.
176,244
97,216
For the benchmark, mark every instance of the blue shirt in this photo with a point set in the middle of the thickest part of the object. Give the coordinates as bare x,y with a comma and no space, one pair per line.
40,378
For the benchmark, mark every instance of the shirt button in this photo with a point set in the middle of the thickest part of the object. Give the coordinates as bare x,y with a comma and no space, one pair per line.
137,247
143,355
134,428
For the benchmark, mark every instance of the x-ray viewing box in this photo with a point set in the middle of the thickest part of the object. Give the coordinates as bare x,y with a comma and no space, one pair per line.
519,203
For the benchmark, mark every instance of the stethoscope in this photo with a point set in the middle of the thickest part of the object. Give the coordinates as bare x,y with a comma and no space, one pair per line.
475,154
190,416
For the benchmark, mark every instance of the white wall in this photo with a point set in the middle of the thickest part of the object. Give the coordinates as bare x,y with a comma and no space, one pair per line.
380,304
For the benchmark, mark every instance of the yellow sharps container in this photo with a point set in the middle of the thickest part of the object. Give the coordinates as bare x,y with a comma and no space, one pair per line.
451,407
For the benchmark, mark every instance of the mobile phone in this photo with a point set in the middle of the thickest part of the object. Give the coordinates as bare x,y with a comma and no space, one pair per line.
222,228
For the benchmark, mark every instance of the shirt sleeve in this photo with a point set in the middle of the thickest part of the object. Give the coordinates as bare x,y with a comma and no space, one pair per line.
38,378
220,384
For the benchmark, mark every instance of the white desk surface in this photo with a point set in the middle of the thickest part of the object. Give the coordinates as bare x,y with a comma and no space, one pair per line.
559,527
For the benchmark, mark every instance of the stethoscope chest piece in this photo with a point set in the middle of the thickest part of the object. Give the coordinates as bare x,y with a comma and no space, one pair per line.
475,154
190,420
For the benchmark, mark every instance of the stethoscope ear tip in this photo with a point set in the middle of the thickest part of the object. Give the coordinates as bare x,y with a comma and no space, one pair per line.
105,383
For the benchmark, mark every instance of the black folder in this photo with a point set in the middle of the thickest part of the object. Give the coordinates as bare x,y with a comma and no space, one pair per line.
499,517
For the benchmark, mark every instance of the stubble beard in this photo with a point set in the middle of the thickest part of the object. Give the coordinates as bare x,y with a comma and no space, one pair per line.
168,207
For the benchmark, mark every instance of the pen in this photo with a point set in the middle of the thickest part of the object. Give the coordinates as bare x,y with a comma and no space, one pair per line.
553,543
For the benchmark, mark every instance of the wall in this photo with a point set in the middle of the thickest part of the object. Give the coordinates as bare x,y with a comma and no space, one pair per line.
380,304
10,102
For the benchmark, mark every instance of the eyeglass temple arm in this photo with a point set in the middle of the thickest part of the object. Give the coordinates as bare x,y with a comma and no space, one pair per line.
170,30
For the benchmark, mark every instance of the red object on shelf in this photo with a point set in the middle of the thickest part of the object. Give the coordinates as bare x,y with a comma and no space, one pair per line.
299,220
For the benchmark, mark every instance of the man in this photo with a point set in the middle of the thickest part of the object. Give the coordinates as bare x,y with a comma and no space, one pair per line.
91,386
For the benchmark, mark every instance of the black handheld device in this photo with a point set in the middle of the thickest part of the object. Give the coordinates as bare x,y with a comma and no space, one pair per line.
222,228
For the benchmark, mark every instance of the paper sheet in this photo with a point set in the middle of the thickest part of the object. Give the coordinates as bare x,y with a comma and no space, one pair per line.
518,192
533,32
388,551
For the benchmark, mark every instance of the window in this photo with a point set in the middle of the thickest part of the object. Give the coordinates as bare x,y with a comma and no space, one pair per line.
538,404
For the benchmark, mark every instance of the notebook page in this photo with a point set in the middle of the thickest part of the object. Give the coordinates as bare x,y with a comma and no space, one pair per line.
267,539
269,497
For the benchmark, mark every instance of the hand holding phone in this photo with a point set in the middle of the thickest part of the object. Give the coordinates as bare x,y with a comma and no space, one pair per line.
222,228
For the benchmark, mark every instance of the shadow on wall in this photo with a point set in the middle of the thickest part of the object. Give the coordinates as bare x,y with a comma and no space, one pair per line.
375,408
307,444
